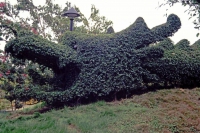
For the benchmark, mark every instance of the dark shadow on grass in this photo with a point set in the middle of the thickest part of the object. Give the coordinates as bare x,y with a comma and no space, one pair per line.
113,96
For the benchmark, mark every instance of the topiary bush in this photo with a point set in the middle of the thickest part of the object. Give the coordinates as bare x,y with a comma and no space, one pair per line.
110,30
166,44
89,67
180,66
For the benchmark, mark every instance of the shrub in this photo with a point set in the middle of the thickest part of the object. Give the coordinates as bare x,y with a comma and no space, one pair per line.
179,67
96,66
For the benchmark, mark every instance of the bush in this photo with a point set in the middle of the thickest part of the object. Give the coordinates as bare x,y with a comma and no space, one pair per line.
180,66
96,66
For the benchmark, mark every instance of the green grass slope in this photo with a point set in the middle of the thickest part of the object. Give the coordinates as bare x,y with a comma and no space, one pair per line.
162,111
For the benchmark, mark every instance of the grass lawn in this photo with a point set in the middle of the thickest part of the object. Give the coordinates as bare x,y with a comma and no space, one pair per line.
163,111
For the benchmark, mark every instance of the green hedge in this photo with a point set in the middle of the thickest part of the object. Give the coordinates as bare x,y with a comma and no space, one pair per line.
166,44
96,66
180,66
168,29
35,48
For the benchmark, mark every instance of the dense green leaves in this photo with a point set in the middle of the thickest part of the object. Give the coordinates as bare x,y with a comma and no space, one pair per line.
95,66
46,20
183,45
193,9
179,66
166,44
37,49
167,29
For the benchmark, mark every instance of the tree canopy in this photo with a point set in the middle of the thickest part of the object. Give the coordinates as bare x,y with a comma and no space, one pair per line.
46,20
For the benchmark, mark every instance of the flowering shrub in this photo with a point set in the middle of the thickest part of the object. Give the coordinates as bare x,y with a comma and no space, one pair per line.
12,77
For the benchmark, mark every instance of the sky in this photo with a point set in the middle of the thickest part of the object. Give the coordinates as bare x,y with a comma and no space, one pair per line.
124,12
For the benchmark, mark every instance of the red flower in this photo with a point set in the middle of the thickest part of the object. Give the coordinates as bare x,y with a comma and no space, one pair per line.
1,75
8,72
25,75
26,88
34,30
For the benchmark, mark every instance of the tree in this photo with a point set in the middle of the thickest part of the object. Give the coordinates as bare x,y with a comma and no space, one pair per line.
97,24
46,20
193,9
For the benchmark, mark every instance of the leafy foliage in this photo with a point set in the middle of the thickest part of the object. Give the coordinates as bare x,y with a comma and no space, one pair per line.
32,33
179,67
193,9
96,66
166,44
110,30
168,29
46,20
55,57
12,78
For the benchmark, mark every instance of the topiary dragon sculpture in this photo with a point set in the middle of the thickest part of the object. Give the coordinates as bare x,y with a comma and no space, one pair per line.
96,66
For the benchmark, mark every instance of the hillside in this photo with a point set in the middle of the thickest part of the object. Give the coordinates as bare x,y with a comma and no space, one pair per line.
170,110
